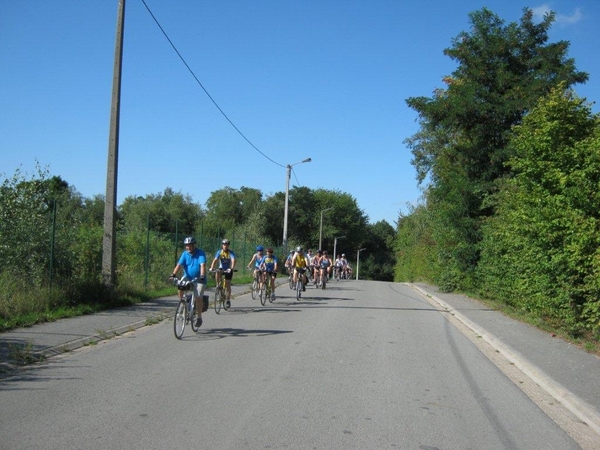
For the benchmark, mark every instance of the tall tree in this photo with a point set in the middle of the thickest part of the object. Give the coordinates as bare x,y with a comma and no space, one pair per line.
540,252
502,72
163,211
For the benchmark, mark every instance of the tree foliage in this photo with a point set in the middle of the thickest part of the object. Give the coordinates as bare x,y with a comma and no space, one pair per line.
165,212
462,146
541,251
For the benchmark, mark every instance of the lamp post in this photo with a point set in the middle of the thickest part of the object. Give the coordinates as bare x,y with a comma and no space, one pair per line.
335,246
287,197
321,227
358,261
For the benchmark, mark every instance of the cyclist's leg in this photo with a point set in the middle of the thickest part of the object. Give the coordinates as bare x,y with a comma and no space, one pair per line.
272,277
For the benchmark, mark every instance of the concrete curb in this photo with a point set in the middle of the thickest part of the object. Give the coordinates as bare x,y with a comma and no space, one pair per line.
581,409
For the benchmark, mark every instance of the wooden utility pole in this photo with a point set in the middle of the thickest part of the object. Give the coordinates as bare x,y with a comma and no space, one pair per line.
110,205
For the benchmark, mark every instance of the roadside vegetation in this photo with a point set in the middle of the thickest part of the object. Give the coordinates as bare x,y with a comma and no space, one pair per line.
509,161
51,241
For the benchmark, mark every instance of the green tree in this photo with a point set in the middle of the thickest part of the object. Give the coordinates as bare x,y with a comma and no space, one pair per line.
165,212
228,208
541,251
502,72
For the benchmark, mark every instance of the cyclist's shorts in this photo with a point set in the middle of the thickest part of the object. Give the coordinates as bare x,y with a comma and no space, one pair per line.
272,273
301,269
228,276
198,288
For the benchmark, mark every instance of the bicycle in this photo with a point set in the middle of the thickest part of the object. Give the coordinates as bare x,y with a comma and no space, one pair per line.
220,291
291,278
186,311
337,270
318,278
256,285
300,284
266,292
323,275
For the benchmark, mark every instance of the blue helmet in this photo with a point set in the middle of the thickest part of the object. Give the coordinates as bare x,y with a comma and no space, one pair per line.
259,248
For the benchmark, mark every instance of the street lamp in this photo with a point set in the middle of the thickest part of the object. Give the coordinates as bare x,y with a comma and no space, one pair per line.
287,197
358,261
335,246
321,227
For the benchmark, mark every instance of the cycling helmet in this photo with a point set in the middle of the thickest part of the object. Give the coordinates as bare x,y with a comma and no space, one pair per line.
269,250
225,241
319,252
343,255
298,249
189,240
259,248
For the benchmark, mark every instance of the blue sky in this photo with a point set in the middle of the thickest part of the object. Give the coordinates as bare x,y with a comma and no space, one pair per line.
324,79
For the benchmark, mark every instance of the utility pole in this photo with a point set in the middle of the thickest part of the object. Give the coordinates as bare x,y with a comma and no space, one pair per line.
110,207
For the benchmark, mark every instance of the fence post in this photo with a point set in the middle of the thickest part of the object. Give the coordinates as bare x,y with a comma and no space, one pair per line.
52,238
176,237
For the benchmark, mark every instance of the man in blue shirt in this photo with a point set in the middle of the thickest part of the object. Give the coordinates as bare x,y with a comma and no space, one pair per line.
193,263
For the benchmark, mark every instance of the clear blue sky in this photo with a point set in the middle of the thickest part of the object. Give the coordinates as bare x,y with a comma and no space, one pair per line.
324,79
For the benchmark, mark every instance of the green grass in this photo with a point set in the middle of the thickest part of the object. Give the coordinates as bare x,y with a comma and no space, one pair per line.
25,305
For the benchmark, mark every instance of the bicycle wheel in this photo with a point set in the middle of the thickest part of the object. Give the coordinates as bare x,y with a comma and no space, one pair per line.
291,282
324,282
263,295
270,295
254,288
299,287
179,319
218,299
223,299
194,316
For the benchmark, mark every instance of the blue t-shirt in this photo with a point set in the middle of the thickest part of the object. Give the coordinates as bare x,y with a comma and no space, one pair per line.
191,263
225,258
269,262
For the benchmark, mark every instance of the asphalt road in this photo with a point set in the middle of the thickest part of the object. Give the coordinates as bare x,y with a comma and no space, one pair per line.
361,365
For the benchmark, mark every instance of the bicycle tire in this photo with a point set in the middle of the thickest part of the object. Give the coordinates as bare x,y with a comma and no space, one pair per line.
291,282
270,295
299,287
218,299
254,288
223,299
263,295
180,319
194,316
324,282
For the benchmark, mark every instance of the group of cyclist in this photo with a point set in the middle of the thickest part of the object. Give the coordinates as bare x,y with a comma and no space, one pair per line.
265,265
315,266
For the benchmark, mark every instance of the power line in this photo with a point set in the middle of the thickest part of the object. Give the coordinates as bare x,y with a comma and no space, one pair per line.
204,89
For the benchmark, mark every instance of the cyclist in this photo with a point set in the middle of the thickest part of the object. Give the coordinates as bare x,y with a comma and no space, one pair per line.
256,260
226,259
326,265
300,265
193,263
344,263
288,262
316,265
268,264
309,264
338,266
